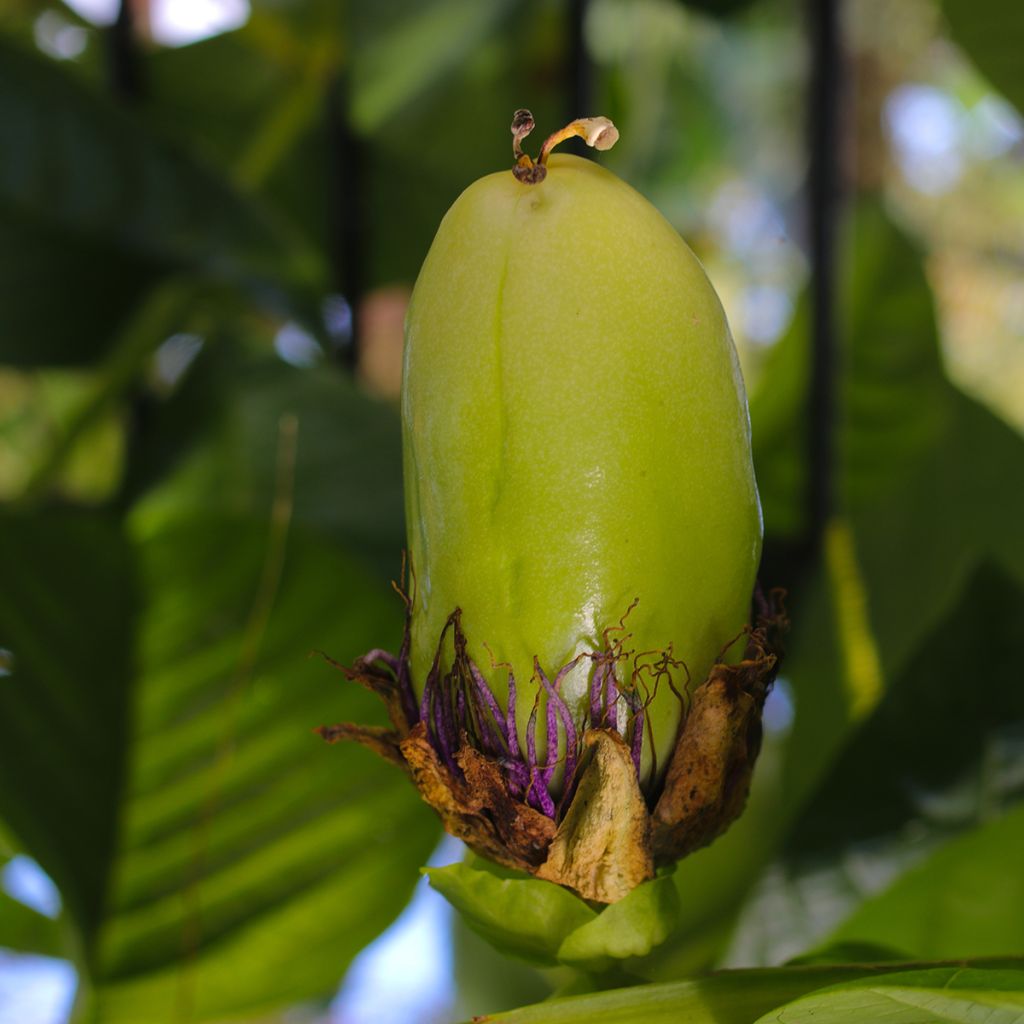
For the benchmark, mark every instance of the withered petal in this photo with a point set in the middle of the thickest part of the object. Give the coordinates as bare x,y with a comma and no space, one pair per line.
383,742
602,849
484,819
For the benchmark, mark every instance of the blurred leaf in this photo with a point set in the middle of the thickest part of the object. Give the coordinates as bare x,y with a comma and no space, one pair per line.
244,838
36,406
778,430
951,770
49,272
89,183
726,997
903,785
946,995
520,915
966,899
847,953
218,432
921,590
418,47
68,609
256,101
718,8
910,445
25,930
990,32
241,836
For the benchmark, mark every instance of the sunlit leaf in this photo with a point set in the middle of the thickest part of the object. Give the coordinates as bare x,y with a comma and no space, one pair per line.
949,995
246,842
967,898
726,997
68,609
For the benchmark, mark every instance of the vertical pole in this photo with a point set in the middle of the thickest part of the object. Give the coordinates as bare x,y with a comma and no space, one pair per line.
823,192
578,73
346,201
125,67
578,69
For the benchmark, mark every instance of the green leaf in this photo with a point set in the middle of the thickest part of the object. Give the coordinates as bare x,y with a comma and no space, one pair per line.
96,207
219,433
949,995
248,848
630,928
520,915
25,930
48,271
911,445
68,609
545,924
990,31
942,776
967,898
241,837
419,47
726,997
927,552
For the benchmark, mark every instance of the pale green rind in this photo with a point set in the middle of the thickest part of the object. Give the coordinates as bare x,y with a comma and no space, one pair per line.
576,434
948,995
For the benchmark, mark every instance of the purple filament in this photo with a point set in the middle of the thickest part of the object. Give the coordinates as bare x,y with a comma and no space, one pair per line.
515,767
562,709
459,706
537,794
638,739
493,727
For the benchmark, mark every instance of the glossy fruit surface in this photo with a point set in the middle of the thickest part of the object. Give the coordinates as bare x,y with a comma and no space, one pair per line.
576,437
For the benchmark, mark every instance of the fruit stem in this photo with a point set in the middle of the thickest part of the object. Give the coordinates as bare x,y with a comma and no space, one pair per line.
598,132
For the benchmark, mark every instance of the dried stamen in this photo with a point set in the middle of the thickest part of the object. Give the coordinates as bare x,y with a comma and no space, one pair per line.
597,132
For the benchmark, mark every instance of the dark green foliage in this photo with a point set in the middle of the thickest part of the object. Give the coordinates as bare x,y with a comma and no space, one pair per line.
215,859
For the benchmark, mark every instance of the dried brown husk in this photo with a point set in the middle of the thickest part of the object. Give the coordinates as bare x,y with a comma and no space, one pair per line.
607,840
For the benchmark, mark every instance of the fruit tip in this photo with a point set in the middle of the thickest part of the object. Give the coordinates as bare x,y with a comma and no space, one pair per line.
597,132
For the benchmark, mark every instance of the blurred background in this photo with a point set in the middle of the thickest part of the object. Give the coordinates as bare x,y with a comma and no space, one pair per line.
211,216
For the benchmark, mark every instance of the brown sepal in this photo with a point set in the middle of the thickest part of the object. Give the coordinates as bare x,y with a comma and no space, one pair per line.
370,675
479,811
607,843
383,742
708,777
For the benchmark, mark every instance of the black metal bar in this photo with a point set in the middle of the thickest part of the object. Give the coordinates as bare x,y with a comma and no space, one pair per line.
823,193
125,66
579,71
345,209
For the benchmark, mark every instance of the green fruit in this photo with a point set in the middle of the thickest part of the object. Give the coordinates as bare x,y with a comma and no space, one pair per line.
576,437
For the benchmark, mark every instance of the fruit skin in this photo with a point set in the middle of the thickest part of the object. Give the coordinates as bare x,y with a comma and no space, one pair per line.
576,436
